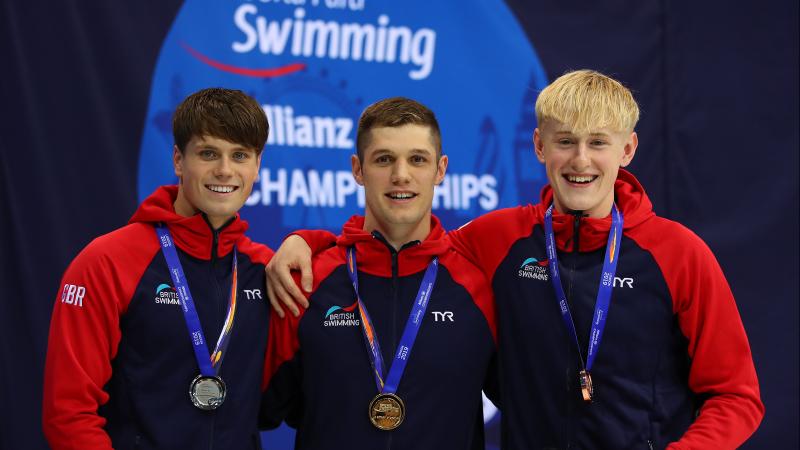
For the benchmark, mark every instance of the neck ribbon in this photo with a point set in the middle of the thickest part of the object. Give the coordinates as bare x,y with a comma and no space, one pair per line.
409,332
209,364
604,290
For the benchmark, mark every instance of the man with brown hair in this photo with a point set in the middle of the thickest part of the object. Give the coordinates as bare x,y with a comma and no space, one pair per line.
617,328
407,374
147,314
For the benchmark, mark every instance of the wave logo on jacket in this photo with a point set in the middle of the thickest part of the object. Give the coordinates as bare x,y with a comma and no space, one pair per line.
166,295
534,268
338,316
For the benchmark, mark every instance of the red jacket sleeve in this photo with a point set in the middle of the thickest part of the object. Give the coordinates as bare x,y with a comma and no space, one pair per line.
283,373
722,368
486,240
283,341
318,240
84,335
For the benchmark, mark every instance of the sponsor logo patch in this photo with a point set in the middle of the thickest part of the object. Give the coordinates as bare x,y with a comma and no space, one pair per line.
338,316
252,294
443,316
623,282
534,268
166,295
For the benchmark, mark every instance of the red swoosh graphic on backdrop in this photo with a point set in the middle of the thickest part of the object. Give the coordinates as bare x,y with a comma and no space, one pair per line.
256,73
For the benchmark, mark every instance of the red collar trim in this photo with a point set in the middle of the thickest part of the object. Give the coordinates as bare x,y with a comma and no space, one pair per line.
631,200
193,235
375,257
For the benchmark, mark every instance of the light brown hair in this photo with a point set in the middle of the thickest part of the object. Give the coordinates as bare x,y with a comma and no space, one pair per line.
396,112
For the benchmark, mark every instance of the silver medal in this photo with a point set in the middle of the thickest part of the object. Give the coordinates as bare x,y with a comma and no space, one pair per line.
207,393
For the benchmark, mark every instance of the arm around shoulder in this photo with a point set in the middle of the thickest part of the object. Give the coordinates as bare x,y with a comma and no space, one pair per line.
485,241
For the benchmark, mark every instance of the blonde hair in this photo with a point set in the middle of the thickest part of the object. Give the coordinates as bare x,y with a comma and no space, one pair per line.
587,100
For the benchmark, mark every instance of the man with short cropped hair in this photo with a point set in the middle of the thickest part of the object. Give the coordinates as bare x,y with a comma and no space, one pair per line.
399,336
147,314
617,327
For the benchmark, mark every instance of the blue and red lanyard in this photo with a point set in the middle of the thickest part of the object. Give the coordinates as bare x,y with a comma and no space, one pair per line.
409,332
209,365
603,292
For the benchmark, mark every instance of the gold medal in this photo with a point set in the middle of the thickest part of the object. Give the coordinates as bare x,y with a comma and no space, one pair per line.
587,390
386,411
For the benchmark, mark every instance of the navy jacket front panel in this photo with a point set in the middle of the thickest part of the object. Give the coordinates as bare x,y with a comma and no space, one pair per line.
639,373
121,361
156,364
442,383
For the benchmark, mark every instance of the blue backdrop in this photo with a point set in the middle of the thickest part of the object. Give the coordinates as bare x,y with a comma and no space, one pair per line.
88,89
315,65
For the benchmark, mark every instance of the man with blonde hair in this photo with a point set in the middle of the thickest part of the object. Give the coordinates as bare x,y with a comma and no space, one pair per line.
616,327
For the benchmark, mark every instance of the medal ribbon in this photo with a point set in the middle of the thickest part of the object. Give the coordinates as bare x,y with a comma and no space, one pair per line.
409,332
606,282
209,365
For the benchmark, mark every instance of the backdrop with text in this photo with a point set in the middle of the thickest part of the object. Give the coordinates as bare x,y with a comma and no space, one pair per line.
89,90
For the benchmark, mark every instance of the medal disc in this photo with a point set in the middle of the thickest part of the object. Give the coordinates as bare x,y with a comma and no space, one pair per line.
207,393
387,411
587,390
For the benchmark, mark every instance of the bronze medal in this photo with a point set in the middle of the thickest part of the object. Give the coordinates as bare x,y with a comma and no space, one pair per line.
587,390
386,411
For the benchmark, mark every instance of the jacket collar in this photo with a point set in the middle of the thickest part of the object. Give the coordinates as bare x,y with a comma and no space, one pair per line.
631,199
374,256
192,235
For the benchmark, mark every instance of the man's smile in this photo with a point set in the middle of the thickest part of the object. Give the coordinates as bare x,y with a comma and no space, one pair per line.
400,195
579,179
221,189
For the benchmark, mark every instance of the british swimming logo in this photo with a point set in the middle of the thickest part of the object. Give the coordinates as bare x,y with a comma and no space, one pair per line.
166,295
338,316
534,268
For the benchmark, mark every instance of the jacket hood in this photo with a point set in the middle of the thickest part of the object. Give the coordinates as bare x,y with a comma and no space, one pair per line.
373,256
194,234
631,200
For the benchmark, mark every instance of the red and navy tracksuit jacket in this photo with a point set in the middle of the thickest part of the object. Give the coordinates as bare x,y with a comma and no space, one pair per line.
674,363
120,360
323,380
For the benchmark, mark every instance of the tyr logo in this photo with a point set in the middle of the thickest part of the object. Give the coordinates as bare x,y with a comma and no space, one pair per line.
252,294
623,282
441,316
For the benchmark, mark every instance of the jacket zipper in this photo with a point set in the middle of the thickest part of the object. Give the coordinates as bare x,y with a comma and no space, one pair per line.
576,224
214,243
395,285
220,294
221,304
576,235
211,437
395,277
